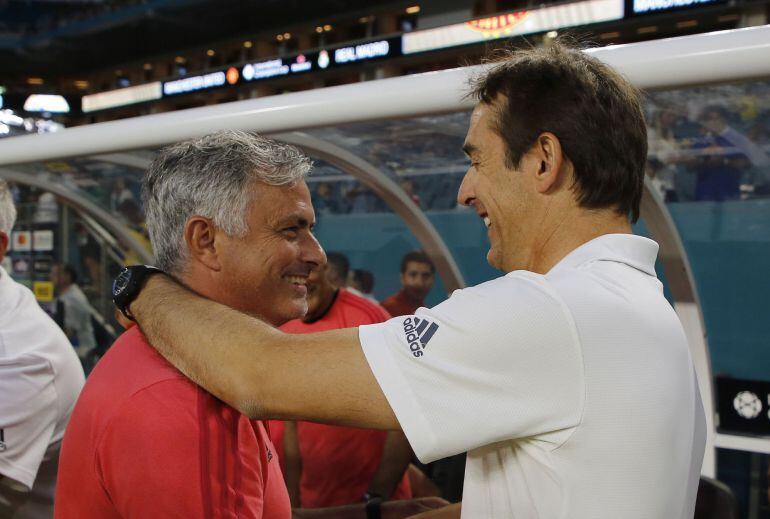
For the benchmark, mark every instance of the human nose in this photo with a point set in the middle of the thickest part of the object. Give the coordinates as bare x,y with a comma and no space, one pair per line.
466,195
312,252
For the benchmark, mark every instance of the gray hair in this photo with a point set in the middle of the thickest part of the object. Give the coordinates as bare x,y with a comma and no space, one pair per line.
7,209
213,177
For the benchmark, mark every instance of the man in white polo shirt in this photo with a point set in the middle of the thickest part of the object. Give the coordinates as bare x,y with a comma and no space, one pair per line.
40,379
568,380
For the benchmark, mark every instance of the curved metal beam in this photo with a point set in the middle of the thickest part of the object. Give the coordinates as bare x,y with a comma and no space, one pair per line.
80,203
392,195
681,282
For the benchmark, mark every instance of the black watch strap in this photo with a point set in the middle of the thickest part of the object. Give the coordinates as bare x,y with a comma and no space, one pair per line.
374,507
127,285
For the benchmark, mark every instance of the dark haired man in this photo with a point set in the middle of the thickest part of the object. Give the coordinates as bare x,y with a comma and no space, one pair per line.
417,273
568,380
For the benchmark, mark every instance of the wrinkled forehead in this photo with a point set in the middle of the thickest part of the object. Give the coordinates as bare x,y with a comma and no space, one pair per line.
278,203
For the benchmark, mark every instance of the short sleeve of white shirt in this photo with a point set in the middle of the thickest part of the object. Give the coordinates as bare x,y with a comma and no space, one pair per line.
40,378
494,362
28,419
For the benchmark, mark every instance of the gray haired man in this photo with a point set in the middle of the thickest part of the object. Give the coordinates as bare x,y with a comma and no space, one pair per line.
230,217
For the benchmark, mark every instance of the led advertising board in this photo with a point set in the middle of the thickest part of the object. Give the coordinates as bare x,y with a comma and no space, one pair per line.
194,83
321,60
641,7
122,97
255,71
513,24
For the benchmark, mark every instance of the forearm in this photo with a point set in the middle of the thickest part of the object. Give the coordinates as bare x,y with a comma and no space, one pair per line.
395,459
322,377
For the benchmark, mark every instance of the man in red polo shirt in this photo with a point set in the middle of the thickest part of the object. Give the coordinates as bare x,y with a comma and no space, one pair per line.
417,276
143,440
328,465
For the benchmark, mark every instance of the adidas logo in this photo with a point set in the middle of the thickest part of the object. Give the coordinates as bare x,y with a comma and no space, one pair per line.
418,333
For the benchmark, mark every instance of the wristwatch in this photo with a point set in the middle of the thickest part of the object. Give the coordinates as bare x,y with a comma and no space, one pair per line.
127,285
373,505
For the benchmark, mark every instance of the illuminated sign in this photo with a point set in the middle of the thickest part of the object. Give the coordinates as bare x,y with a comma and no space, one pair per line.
513,24
364,51
653,6
301,64
46,103
194,83
122,97
232,75
323,59
264,69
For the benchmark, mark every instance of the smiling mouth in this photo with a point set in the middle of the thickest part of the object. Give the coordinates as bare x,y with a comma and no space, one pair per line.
297,280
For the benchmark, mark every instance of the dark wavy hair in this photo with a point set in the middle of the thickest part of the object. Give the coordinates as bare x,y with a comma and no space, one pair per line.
594,111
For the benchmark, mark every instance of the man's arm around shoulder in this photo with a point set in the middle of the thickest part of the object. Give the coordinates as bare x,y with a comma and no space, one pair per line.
255,368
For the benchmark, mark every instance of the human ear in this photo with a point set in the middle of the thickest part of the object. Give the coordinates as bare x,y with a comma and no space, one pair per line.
200,235
550,159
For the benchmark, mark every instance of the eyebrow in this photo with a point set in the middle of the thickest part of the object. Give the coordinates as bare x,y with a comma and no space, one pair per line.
295,219
469,149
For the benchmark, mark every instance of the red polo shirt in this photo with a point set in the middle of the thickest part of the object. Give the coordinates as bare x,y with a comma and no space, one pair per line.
338,463
401,303
144,441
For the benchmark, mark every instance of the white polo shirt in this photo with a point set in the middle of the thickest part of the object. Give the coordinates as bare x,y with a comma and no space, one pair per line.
40,380
573,392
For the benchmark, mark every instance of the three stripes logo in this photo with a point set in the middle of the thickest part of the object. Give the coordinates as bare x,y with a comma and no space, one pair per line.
419,332
3,446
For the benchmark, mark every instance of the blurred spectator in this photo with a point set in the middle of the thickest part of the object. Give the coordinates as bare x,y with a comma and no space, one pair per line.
723,154
89,252
407,184
663,154
339,268
47,209
138,230
324,202
40,379
72,302
119,194
361,283
327,465
417,275
362,200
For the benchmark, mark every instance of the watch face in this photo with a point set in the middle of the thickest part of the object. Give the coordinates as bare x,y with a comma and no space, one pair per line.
121,282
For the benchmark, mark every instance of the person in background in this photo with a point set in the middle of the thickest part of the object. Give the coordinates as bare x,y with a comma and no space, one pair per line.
40,379
407,184
721,157
664,154
338,269
119,195
76,318
323,201
328,465
361,283
417,276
